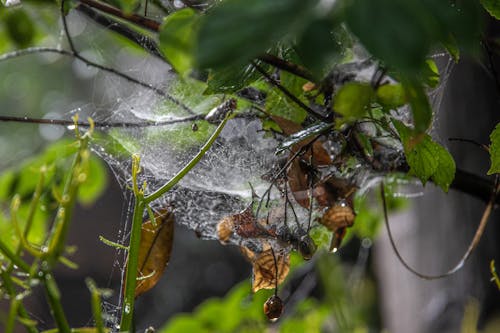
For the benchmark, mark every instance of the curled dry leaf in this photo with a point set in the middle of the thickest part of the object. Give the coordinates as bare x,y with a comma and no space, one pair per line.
264,267
337,218
154,251
225,229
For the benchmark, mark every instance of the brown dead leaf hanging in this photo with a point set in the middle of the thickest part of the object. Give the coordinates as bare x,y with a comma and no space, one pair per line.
337,218
264,267
154,251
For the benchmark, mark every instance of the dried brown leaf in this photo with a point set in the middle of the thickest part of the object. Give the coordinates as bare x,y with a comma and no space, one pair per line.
264,267
154,251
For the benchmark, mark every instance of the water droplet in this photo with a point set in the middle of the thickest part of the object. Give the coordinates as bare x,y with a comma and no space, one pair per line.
335,250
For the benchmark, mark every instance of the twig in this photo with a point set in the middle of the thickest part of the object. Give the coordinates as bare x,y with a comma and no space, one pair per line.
480,145
145,42
133,18
288,94
287,66
473,244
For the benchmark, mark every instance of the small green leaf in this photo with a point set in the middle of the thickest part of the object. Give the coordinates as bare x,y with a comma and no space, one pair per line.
420,106
452,47
353,99
430,74
492,7
279,105
391,96
495,151
177,38
420,156
235,31
445,172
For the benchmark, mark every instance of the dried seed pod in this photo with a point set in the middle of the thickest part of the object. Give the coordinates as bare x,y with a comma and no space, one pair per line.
337,218
225,229
273,308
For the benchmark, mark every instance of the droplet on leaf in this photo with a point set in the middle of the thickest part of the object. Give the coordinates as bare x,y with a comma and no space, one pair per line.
273,308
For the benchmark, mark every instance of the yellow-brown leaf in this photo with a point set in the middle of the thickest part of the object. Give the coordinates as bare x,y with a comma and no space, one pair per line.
154,251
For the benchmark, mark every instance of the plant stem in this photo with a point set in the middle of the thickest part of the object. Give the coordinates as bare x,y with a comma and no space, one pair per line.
15,305
162,190
132,263
16,260
54,300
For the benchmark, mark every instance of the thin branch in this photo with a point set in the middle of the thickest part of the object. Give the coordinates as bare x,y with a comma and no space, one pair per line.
133,18
480,145
33,50
473,244
288,94
287,66
100,124
145,42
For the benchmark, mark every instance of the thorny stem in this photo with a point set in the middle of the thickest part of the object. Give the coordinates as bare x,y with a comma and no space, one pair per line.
162,190
470,249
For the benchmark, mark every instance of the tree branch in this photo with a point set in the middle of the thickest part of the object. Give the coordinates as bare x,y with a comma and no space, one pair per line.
133,18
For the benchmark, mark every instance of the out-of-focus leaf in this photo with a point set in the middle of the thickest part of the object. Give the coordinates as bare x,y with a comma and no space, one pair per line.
177,35
235,31
230,79
264,267
419,103
353,99
492,7
495,151
430,74
391,96
452,48
321,46
95,183
19,26
154,251
78,330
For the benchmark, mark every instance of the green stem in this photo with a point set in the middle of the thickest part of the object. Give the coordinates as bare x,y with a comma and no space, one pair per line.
162,190
16,260
57,237
96,305
54,299
16,306
132,263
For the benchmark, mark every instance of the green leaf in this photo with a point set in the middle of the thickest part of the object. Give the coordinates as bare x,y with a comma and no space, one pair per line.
492,7
445,172
391,96
19,27
426,158
353,99
321,46
452,47
495,151
230,79
235,31
419,103
177,35
279,105
430,74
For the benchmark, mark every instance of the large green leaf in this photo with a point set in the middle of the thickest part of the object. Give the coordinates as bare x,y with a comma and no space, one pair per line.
426,158
353,99
235,31
492,7
19,27
495,151
177,38
231,78
391,96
